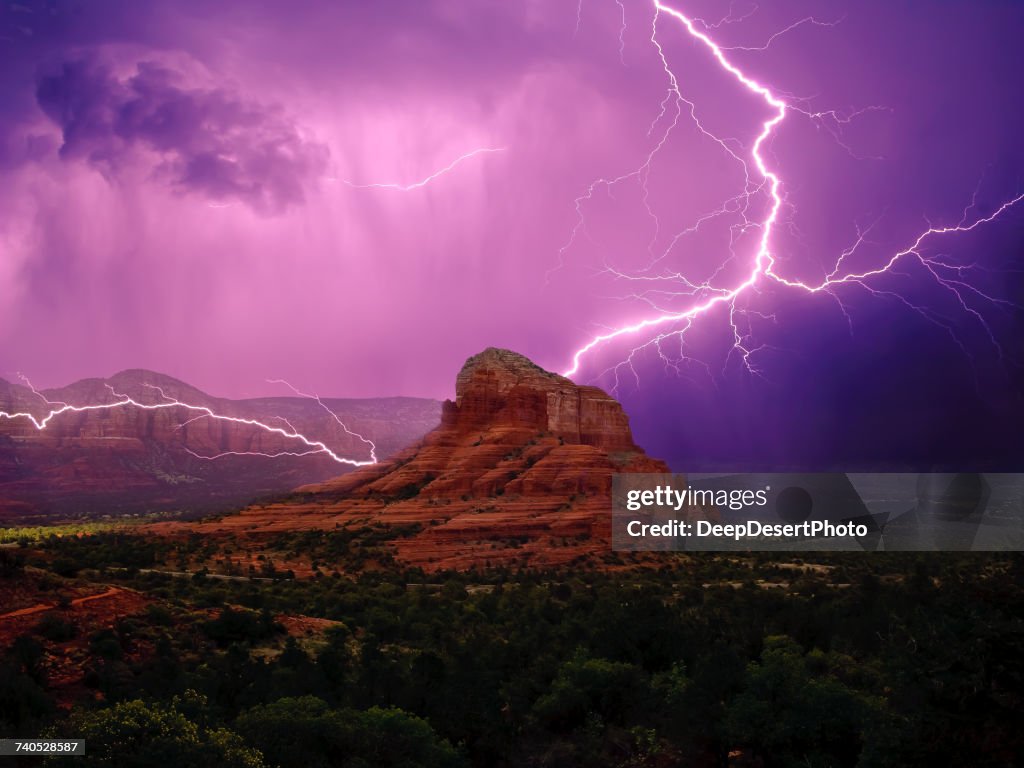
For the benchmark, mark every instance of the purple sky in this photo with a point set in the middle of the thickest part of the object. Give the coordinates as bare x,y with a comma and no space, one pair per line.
187,187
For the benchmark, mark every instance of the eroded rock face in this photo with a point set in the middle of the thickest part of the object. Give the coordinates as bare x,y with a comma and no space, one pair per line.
520,467
502,386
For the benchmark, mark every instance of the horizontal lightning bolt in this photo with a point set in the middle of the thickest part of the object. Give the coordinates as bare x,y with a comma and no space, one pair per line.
201,411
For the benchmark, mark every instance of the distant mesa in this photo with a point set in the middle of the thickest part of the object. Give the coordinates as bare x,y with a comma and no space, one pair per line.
127,460
518,472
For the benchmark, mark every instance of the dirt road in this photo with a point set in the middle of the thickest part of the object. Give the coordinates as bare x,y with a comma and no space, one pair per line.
47,606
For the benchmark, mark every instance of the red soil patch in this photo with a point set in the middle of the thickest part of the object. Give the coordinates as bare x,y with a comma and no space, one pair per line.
304,626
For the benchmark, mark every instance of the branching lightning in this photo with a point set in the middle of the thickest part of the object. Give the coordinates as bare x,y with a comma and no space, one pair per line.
333,415
666,325
768,43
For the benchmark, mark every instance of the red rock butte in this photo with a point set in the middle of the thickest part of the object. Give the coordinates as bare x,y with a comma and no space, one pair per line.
519,472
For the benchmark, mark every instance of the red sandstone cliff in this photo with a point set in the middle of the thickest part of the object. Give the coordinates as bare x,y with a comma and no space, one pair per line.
519,470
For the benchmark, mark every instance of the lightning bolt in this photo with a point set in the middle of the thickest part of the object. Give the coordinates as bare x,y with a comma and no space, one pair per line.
37,393
704,296
322,404
622,32
729,18
423,182
200,412
768,43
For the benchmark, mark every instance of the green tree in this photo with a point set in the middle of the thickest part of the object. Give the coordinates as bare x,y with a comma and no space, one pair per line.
135,734
791,716
611,690
305,732
23,703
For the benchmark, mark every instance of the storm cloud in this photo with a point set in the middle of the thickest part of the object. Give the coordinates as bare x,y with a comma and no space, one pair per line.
209,142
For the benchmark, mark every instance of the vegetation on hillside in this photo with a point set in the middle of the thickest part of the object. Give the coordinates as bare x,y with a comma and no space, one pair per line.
840,660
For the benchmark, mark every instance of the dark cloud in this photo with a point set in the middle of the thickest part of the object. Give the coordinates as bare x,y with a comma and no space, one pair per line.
211,141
